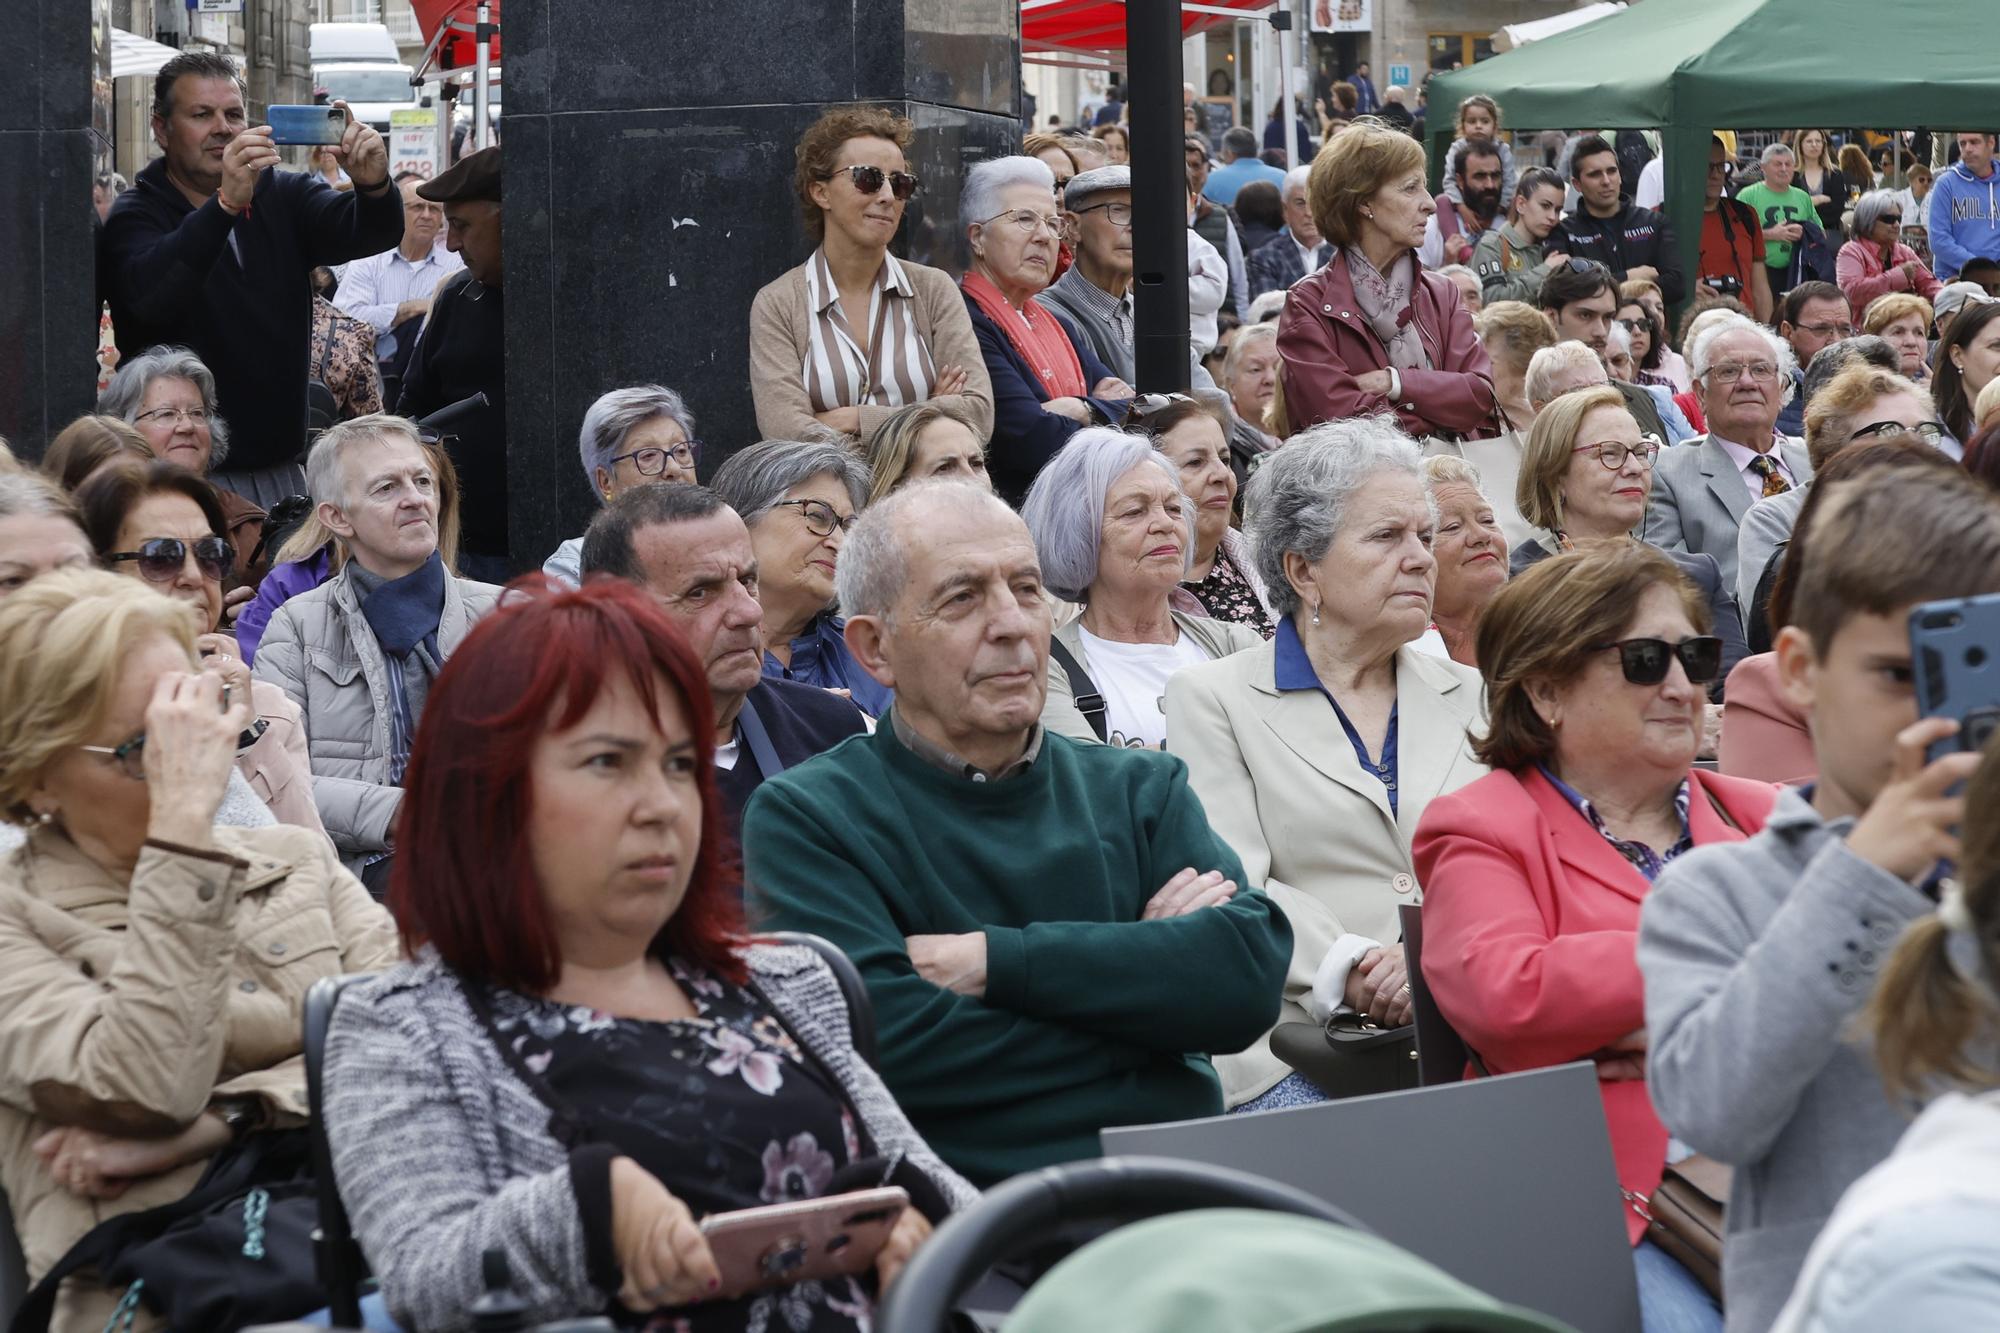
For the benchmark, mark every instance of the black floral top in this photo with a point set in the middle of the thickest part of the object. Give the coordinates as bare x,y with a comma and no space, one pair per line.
1227,595
723,1109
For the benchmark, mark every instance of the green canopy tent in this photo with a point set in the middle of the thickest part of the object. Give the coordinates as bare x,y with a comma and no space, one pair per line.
1689,67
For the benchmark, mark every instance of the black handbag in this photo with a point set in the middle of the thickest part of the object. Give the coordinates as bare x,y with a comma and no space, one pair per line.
1351,1056
236,1250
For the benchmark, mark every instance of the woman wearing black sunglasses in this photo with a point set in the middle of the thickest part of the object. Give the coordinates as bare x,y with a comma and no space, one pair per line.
161,524
854,333
1596,663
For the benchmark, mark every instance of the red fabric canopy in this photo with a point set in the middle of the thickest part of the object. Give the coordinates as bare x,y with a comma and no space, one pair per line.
1093,25
458,50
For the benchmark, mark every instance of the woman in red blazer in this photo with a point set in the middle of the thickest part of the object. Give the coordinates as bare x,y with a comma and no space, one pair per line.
1372,331
1596,664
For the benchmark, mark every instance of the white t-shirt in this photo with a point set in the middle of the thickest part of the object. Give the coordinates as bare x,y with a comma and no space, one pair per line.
1133,680
1652,191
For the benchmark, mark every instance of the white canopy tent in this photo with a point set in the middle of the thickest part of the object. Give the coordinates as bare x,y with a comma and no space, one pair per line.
137,57
1520,34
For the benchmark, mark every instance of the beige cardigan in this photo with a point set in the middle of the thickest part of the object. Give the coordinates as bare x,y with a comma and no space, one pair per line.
780,335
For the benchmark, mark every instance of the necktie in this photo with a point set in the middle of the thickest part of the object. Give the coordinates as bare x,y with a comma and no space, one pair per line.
1774,481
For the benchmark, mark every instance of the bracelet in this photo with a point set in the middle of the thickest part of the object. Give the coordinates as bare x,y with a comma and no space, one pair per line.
1395,383
233,210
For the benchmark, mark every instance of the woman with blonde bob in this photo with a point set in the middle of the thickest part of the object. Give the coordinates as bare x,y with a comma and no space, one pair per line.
921,442
1904,321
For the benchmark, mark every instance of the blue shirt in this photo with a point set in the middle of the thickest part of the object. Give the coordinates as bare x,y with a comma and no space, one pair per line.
820,657
1293,670
1648,862
1226,180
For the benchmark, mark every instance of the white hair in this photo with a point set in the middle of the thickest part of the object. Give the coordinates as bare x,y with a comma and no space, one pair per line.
1701,353
1296,177
1553,363
617,414
1267,307
127,391
1620,340
1065,507
1774,151
987,181
873,567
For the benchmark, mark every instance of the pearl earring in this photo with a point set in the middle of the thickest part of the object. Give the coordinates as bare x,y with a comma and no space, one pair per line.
1315,616
44,818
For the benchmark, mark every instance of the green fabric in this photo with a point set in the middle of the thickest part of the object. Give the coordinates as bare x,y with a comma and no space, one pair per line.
1687,67
1091,1017
1233,1270
1775,208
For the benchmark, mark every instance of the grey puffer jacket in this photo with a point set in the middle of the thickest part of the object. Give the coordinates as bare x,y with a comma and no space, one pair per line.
320,650
443,1153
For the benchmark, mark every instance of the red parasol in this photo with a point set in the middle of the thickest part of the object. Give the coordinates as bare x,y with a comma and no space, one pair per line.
457,50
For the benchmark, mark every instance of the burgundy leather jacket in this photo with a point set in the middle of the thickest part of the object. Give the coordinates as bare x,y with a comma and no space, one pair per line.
1325,343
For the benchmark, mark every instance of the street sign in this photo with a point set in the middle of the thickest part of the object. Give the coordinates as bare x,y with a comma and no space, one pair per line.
215,6
413,141
1400,74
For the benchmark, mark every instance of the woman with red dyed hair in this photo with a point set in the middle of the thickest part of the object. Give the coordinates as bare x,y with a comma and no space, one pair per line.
586,1053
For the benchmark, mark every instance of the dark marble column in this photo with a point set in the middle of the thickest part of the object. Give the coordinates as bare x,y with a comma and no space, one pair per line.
48,308
649,169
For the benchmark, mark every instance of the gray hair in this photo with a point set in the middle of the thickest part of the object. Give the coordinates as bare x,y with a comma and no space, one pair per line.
1450,470
127,390
987,181
873,566
1065,507
1452,270
1701,354
326,479
1551,364
757,478
1618,340
24,492
615,415
1773,151
1297,176
1298,498
1232,360
1266,308
1868,210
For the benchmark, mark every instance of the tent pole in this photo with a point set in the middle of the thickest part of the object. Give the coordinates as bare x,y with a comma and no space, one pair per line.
1159,197
1281,19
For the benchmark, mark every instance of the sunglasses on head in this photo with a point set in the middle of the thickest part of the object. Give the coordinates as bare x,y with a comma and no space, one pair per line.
869,180
161,559
1645,660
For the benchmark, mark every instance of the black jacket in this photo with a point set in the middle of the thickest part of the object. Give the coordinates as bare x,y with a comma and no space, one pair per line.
1636,236
461,352
238,290
801,720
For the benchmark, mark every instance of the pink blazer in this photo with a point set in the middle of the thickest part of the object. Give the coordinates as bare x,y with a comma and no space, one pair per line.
1531,926
1864,277
1764,734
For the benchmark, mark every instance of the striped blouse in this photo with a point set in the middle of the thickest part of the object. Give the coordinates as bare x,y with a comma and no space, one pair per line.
896,372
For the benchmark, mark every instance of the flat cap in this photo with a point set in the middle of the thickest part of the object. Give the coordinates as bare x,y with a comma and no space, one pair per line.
1095,181
475,177
1955,294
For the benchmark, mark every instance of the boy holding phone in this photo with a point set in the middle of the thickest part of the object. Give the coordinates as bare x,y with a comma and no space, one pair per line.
1757,955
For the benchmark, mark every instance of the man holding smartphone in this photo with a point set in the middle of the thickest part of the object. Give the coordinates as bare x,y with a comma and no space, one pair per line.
211,250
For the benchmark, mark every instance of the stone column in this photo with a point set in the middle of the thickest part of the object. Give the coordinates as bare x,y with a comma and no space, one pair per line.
649,194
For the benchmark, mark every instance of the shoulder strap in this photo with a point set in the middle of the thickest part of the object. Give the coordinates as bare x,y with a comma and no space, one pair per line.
758,741
1082,688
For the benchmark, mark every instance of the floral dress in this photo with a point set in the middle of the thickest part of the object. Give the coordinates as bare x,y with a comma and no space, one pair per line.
724,1109
1226,595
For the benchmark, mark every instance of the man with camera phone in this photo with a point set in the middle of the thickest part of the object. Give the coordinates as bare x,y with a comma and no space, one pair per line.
1732,259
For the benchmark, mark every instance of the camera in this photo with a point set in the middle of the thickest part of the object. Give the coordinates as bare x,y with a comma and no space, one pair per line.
1725,284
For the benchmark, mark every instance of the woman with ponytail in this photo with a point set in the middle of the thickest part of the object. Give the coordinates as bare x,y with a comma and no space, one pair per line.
1915,1243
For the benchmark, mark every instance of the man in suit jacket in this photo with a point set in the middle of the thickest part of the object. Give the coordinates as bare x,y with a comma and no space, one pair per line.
693,553
1702,489
1293,252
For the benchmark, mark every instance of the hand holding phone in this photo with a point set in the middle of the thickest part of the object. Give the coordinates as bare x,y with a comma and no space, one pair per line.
307,124
1955,654
814,1239
246,157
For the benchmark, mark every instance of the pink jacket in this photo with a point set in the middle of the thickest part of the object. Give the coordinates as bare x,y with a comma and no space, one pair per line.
1324,345
1531,923
1864,277
1764,734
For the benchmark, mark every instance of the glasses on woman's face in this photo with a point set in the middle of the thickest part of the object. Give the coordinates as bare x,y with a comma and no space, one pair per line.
131,756
1636,325
1891,219
161,559
652,460
1613,453
1031,223
1930,432
1118,215
820,517
1645,661
173,417
869,180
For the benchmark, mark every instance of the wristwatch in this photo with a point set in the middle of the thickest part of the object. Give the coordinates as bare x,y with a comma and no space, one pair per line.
239,1115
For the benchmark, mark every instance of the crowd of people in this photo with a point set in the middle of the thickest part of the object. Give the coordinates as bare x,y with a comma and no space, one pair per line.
1103,732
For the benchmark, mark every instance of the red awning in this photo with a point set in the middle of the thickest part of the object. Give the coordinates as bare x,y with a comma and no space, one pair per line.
457,52
1094,25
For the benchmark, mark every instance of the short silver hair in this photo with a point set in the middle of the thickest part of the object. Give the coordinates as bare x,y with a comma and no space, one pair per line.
1239,347
1297,176
1065,507
1552,363
1453,270
1450,470
1773,151
873,567
1619,339
326,478
127,390
1297,500
617,414
1701,353
1265,308
987,181
1868,210
755,479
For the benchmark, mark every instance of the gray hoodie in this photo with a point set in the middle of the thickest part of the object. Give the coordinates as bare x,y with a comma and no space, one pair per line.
1757,957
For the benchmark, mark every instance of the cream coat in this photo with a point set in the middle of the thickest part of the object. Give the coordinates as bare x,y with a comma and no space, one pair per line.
130,1007
1281,785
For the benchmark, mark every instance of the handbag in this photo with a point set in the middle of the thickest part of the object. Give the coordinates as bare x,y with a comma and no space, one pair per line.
236,1250
1684,1217
1351,1056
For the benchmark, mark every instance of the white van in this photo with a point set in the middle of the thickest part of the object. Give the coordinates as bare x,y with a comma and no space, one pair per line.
353,44
370,91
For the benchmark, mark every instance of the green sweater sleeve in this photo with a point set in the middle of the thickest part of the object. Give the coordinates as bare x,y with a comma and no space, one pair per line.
942,1052
1210,981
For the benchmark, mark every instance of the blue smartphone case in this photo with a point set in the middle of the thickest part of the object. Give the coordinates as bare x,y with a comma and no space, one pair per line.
1955,654
306,124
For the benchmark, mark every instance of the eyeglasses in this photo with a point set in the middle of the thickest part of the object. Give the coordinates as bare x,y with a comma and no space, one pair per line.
1930,432
161,559
1838,329
1118,215
1760,372
651,461
131,756
1031,222
1725,167
869,180
1613,453
1645,660
819,516
193,416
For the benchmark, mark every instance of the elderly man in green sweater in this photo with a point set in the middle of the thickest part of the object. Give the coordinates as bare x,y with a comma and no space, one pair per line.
1053,938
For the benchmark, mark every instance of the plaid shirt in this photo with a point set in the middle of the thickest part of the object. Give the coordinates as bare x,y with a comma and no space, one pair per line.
1647,861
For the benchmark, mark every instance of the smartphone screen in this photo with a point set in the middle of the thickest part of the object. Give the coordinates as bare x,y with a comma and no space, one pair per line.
306,124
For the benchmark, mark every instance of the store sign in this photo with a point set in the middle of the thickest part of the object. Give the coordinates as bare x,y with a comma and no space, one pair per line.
1342,16
215,6
413,141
